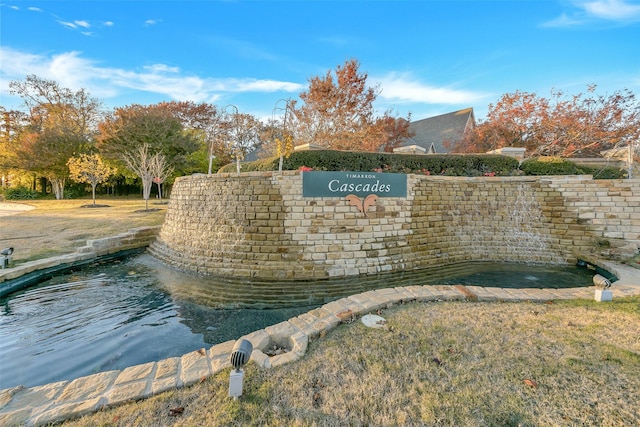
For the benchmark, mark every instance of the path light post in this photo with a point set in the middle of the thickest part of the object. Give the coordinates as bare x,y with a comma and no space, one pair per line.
217,129
630,153
5,257
240,355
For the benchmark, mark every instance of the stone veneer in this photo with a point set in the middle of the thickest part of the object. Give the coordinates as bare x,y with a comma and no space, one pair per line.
258,224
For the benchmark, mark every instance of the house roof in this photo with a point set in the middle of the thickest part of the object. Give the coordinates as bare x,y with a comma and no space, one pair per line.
434,133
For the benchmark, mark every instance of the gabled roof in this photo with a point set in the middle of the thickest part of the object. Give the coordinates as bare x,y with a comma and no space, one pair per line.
432,133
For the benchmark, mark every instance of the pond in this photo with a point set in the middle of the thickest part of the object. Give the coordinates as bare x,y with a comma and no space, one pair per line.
137,310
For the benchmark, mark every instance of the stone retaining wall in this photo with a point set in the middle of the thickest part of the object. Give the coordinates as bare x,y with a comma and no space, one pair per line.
259,224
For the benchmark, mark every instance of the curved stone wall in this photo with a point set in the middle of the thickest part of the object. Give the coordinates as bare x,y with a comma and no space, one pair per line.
260,224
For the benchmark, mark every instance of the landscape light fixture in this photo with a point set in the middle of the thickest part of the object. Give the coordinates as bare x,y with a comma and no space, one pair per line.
5,257
240,356
603,291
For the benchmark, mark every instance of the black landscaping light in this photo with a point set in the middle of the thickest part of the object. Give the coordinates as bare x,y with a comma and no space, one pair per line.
240,356
6,251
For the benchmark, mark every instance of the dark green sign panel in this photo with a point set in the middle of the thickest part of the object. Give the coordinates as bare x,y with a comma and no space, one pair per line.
340,184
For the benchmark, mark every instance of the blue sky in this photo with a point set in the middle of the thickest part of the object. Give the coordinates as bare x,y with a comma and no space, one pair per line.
428,57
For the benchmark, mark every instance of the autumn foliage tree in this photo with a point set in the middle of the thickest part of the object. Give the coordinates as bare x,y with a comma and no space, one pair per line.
338,113
89,169
61,123
12,122
129,128
582,125
207,121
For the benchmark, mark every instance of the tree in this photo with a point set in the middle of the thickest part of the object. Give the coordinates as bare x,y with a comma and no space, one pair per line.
281,133
161,170
144,164
338,114
90,169
12,123
61,123
243,134
205,119
582,125
131,127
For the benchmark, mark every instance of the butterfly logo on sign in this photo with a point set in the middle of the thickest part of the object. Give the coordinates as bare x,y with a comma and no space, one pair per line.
362,205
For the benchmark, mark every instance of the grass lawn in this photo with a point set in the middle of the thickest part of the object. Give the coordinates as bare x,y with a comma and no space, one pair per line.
574,363
58,227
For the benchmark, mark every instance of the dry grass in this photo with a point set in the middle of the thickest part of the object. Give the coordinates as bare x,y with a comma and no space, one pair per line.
58,227
446,363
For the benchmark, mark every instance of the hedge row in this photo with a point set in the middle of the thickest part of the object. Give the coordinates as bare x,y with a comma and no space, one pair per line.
437,164
327,160
559,166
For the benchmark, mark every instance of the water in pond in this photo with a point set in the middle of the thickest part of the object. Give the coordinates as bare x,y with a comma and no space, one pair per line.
136,311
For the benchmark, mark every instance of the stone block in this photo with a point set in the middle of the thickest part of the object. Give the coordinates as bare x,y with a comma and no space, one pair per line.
135,373
128,392
261,359
89,387
167,368
259,339
65,411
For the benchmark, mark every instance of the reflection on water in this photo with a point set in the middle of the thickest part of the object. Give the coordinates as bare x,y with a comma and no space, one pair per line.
136,311
94,321
238,292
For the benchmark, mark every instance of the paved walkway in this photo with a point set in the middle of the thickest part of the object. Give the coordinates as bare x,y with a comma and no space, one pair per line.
63,400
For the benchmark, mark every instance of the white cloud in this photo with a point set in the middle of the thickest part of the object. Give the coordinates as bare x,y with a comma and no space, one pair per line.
614,10
108,24
252,85
150,22
73,71
564,21
589,11
161,68
404,88
15,63
67,24
78,24
34,9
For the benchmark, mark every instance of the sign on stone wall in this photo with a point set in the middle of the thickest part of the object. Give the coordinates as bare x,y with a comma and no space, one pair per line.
341,184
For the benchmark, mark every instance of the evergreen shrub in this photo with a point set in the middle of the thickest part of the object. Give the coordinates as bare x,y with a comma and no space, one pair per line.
436,164
20,193
608,172
549,166
560,166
